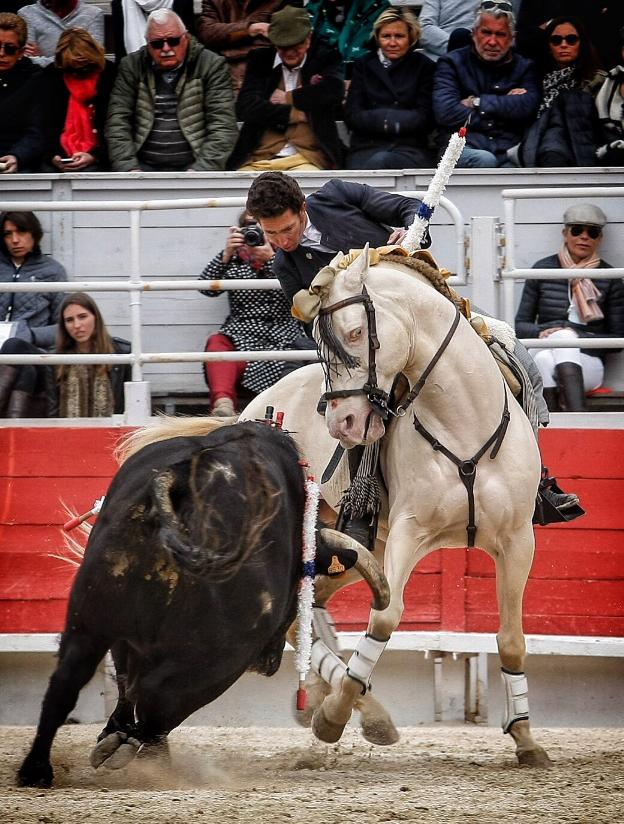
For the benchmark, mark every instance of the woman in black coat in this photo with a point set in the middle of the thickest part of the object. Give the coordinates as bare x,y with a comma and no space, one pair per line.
566,130
77,88
389,106
21,130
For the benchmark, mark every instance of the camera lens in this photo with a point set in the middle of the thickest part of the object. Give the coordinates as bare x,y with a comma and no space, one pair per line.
253,235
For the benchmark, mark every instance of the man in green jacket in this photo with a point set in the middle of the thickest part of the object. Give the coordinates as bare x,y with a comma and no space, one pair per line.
172,106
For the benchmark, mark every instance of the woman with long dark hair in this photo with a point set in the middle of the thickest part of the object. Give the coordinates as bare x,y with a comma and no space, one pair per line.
565,131
78,390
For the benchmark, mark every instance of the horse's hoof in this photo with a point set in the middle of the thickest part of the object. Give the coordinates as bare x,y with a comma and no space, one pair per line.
35,774
123,755
324,729
105,748
383,733
535,757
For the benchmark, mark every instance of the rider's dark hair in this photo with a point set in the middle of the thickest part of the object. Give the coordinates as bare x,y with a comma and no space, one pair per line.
272,193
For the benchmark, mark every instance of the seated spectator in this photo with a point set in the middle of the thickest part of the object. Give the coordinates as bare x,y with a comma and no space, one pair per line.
490,84
34,313
610,109
579,308
27,317
346,25
72,390
76,93
565,131
171,108
21,130
234,28
258,319
129,21
48,19
288,101
388,107
78,390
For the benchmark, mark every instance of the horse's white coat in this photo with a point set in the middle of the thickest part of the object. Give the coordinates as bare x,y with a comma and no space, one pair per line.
461,405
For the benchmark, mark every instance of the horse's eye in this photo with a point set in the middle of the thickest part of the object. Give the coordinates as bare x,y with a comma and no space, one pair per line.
355,335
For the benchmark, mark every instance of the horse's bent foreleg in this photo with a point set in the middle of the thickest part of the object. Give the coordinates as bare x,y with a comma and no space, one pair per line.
512,571
350,683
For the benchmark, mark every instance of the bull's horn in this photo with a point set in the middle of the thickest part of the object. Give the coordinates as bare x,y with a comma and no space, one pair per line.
366,565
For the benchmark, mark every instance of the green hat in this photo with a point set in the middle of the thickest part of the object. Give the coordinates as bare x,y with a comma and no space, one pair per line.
289,27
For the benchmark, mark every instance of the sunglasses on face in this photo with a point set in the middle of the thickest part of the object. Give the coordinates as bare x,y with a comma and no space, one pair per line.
9,49
593,231
501,5
558,39
159,42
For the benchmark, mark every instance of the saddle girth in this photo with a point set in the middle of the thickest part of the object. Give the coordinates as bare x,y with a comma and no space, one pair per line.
468,469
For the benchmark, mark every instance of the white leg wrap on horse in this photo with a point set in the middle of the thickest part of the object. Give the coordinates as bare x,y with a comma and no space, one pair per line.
363,660
516,698
327,664
325,628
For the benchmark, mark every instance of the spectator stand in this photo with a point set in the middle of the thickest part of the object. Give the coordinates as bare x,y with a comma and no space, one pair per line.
575,599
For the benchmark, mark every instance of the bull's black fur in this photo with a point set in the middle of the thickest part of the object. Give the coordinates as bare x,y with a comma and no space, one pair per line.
190,577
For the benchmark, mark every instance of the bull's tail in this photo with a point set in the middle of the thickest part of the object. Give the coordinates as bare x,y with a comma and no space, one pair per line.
168,426
212,535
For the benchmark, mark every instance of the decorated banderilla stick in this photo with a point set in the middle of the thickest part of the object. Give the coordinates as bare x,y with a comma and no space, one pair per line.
74,522
411,241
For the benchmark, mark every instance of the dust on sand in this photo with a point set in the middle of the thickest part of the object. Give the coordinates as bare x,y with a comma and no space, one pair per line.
269,776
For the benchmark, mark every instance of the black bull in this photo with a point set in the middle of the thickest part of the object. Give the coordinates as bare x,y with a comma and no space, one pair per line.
190,577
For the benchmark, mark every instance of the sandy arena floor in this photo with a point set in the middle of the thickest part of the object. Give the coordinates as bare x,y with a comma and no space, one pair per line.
268,776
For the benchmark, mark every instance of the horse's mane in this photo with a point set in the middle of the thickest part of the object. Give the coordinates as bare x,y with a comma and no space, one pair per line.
168,426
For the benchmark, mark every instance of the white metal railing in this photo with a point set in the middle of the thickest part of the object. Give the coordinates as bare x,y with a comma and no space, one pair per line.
510,273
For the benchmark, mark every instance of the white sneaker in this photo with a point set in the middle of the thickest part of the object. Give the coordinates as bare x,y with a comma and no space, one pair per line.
223,408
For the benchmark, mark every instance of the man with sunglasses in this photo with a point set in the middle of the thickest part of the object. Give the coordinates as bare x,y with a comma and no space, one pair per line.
490,85
172,107
570,309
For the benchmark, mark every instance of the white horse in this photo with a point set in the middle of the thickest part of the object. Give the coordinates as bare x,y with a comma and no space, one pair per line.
471,433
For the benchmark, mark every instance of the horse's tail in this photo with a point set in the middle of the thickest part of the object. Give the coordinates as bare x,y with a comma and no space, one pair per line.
168,426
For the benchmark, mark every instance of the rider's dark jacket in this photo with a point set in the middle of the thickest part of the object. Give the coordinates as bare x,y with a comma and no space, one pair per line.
348,215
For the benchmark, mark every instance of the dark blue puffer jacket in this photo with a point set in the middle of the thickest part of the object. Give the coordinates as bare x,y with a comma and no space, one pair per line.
501,119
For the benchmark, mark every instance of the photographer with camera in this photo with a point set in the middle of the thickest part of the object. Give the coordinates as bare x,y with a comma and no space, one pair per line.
258,319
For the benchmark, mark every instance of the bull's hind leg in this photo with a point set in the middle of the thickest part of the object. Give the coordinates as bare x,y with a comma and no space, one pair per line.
512,571
79,656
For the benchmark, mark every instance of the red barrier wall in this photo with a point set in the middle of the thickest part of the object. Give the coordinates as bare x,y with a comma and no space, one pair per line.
576,585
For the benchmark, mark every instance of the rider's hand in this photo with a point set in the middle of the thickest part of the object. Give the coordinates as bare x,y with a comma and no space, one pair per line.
396,237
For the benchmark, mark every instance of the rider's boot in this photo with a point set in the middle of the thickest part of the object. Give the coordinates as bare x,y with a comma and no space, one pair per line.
570,380
553,503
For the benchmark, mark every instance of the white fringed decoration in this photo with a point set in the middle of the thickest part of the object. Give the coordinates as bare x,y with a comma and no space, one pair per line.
306,589
411,241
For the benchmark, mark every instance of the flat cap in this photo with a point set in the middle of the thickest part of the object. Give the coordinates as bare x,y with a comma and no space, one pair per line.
289,27
586,214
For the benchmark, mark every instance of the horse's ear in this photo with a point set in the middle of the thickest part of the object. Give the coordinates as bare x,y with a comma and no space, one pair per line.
357,271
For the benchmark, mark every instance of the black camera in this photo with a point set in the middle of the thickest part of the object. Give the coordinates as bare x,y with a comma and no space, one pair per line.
253,235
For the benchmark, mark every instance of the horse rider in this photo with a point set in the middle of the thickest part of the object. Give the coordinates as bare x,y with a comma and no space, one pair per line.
308,233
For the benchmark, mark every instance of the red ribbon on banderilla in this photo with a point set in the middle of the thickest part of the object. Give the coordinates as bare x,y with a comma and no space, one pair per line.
74,522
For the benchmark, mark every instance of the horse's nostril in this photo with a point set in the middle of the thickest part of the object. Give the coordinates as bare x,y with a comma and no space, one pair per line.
348,422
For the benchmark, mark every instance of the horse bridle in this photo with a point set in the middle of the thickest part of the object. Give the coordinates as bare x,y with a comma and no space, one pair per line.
379,399
380,402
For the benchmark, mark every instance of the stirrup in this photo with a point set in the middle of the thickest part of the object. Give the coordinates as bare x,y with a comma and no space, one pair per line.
547,508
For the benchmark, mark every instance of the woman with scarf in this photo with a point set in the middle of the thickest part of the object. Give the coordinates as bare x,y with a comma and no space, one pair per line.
389,105
77,390
258,319
565,131
578,308
76,91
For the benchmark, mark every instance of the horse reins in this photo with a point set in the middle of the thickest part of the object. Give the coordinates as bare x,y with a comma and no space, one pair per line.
380,402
